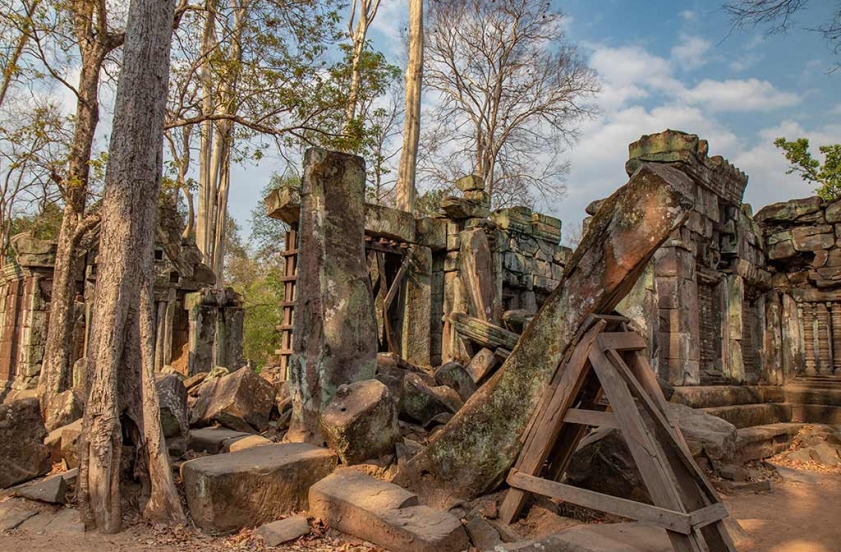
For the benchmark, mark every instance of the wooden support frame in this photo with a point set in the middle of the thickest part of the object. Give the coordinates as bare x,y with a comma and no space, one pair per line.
609,360
380,248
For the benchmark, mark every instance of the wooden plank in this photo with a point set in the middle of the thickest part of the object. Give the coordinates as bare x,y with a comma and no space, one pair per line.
483,333
622,341
707,515
593,418
638,511
389,337
646,452
546,429
395,284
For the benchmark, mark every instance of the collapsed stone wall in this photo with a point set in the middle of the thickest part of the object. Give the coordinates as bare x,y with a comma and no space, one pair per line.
804,258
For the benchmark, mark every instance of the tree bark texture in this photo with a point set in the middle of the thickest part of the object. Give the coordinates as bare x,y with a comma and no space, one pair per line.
478,446
122,398
411,127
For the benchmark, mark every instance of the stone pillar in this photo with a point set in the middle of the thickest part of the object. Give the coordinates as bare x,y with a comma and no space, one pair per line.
202,322
335,338
807,316
229,338
836,337
679,330
791,338
734,365
773,358
417,307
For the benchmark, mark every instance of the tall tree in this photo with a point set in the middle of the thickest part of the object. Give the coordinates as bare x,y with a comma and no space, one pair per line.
122,396
411,126
359,35
511,93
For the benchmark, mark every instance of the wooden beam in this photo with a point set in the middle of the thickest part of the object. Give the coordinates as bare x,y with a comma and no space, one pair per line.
638,511
593,418
395,284
483,333
622,341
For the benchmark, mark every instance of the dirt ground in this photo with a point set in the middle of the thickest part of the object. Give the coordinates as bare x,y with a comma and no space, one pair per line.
802,513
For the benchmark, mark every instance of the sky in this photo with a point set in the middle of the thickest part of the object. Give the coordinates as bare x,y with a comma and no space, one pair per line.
667,64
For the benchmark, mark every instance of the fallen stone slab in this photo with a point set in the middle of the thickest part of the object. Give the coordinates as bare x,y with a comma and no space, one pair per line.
172,398
476,449
254,486
23,454
706,434
58,522
285,530
384,514
15,511
421,402
245,443
361,422
51,489
214,440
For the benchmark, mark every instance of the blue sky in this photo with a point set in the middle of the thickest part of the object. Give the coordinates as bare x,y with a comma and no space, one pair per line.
666,64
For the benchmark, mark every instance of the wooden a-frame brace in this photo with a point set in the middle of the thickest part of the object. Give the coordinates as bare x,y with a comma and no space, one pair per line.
609,361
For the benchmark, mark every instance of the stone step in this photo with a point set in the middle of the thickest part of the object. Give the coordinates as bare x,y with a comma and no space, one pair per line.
813,395
384,514
748,415
816,413
764,441
709,396
247,488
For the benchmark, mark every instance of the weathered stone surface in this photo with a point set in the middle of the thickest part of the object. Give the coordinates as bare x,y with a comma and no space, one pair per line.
453,374
812,238
384,514
23,454
335,338
387,222
833,212
459,208
470,183
64,409
51,489
242,401
246,443
70,435
708,435
214,440
482,364
788,210
482,534
431,233
417,305
248,488
55,522
782,250
15,511
172,398
284,204
30,251
361,422
421,402
285,530
478,446
517,320
602,537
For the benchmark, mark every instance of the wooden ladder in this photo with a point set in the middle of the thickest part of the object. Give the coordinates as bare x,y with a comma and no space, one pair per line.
609,362
289,279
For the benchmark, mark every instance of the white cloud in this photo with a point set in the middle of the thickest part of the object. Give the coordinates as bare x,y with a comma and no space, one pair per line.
692,52
689,15
740,95
742,63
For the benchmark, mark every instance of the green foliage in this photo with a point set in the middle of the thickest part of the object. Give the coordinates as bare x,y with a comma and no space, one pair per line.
826,175
44,224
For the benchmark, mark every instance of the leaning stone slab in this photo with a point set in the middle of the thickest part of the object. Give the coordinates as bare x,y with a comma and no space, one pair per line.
52,489
241,400
477,447
247,488
384,514
23,454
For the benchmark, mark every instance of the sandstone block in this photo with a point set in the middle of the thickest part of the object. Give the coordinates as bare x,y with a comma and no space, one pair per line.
70,443
387,222
285,530
788,210
481,364
361,422
470,183
421,402
23,454
248,442
459,208
64,409
782,250
813,238
242,401
247,488
51,489
705,433
172,398
384,514
214,440
453,374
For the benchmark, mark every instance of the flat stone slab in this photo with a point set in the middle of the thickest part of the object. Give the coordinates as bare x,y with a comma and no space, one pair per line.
254,486
214,439
285,530
607,537
15,511
384,514
51,489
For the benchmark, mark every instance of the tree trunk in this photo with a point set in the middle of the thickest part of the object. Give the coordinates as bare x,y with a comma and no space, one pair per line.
56,369
207,134
411,130
121,357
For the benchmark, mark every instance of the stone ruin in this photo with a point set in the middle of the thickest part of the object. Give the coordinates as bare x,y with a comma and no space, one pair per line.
197,326
416,350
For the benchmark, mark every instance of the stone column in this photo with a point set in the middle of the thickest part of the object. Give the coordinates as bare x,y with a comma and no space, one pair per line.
791,338
679,332
735,366
335,338
773,357
417,308
810,351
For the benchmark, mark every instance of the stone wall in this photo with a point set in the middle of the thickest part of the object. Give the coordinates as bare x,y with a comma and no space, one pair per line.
804,257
